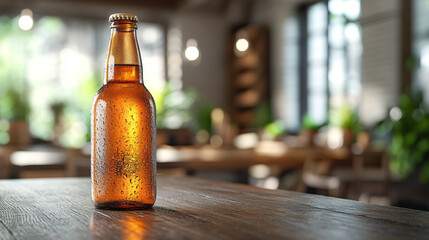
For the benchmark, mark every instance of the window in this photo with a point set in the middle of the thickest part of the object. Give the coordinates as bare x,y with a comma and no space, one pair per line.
420,46
330,60
64,62
345,51
315,63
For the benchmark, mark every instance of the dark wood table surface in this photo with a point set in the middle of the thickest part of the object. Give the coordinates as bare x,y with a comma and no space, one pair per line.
190,208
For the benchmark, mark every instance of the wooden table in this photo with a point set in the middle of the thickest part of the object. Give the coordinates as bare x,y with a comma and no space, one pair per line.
226,159
33,161
190,208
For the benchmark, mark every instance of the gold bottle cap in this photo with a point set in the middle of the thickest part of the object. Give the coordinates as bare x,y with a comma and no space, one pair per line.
123,16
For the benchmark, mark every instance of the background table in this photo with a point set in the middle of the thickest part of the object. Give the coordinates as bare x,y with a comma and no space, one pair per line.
190,208
274,153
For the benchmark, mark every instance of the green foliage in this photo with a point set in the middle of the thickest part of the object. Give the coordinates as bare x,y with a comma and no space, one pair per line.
309,124
174,107
87,90
275,129
14,105
263,116
409,147
410,63
13,52
345,118
202,116
343,18
264,121
4,127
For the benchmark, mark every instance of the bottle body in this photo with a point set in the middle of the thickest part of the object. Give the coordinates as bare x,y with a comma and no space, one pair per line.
123,141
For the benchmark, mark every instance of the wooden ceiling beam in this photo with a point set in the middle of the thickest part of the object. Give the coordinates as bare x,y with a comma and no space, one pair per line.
144,4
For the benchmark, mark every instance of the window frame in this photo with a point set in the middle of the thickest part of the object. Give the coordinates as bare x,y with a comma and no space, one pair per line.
303,58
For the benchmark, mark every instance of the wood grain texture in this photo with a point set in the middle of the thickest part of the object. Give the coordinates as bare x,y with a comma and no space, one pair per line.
189,208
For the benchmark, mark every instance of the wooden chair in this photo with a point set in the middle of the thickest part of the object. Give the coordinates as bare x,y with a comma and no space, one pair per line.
371,173
316,178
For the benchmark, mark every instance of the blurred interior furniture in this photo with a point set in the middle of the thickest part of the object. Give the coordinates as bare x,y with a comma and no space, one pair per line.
365,178
249,74
79,161
371,173
265,176
174,137
51,161
191,208
19,133
317,174
35,161
269,153
206,158
193,159
316,178
5,166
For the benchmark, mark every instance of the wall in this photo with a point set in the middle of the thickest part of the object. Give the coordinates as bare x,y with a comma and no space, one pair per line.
207,75
279,16
381,70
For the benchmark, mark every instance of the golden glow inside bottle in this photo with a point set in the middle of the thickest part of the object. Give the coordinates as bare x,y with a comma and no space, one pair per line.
123,131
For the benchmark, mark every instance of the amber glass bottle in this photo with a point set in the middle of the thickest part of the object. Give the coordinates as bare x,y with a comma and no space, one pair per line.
123,132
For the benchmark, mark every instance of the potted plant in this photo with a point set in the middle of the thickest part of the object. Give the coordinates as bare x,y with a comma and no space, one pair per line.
275,130
347,121
173,113
308,130
14,104
15,107
408,125
202,120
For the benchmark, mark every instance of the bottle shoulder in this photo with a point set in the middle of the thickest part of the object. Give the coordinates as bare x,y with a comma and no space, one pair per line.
133,92
123,90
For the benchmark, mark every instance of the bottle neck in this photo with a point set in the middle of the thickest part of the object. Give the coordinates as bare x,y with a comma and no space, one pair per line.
123,59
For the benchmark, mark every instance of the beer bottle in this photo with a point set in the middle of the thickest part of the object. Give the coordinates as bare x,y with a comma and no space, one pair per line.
123,131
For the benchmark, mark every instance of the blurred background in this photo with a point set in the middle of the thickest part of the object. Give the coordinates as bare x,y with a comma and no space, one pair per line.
327,97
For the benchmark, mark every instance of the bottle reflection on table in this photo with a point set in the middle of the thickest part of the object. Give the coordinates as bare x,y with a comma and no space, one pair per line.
105,224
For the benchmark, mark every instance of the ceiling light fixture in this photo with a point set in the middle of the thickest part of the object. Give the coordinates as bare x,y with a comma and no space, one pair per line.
192,53
25,21
242,44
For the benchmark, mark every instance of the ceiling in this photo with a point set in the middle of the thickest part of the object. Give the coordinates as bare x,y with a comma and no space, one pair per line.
98,9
